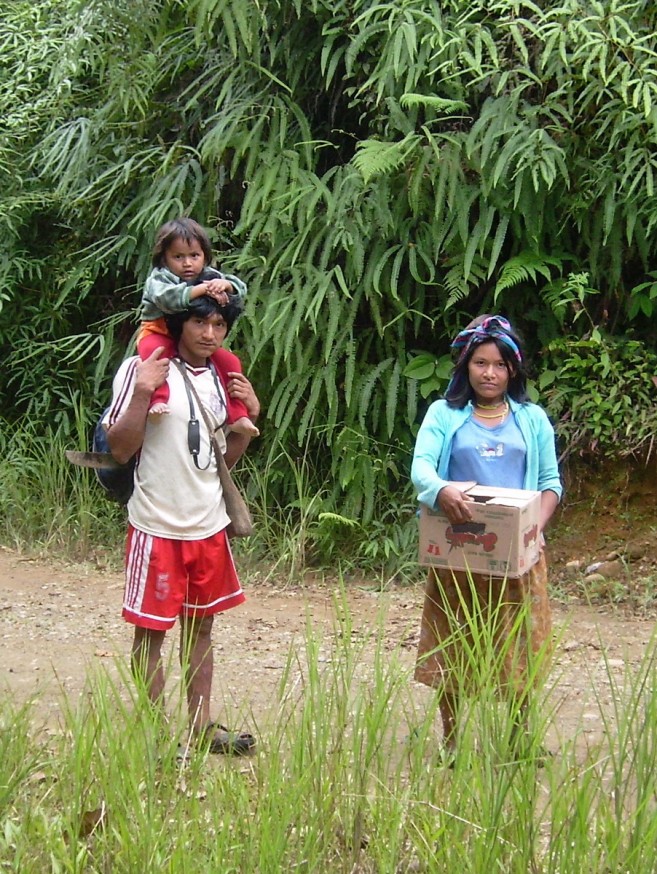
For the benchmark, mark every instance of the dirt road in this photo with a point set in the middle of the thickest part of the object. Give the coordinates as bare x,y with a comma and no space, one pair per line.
57,624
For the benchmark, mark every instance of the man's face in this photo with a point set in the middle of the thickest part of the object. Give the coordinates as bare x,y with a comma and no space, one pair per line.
201,337
184,259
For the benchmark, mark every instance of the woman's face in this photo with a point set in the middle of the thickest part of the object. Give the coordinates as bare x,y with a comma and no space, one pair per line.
488,374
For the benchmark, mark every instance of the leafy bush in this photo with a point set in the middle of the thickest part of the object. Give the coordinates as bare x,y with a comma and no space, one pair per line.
378,172
601,394
297,528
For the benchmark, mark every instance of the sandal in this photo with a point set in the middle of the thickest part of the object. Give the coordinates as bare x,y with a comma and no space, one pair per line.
221,741
183,755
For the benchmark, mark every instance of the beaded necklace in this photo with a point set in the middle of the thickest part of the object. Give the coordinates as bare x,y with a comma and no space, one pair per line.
501,415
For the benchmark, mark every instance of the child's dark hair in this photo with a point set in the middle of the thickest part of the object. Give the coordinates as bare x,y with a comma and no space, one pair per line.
487,329
203,307
186,229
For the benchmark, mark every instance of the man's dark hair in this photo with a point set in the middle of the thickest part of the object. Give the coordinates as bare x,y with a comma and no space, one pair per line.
186,229
203,307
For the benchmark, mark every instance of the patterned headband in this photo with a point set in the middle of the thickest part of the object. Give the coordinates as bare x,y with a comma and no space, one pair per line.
492,328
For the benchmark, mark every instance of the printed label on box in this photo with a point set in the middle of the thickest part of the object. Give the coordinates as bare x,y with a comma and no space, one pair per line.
501,539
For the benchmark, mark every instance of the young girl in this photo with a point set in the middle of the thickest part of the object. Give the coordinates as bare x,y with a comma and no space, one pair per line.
181,273
484,430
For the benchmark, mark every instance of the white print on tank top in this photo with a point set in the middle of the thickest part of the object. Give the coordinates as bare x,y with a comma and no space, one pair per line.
486,451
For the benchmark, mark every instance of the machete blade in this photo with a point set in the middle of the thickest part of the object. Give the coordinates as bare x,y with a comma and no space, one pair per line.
97,460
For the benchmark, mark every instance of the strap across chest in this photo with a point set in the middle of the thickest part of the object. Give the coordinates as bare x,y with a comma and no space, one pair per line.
194,426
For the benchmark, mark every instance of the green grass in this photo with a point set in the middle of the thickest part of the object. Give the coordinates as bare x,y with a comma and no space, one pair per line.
349,776
300,525
49,506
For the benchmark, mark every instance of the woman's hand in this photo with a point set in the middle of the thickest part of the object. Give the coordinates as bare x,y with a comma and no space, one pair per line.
454,504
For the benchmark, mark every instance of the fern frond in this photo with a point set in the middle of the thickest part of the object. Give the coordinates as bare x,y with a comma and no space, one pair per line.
366,388
375,158
525,266
440,105
392,397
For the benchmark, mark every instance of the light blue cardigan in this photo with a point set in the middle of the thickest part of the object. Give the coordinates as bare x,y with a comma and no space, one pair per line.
433,448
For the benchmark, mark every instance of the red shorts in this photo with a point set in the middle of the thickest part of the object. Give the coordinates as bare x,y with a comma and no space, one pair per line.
168,578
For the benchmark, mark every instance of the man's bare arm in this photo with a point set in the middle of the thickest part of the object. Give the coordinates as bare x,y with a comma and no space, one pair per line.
236,446
240,387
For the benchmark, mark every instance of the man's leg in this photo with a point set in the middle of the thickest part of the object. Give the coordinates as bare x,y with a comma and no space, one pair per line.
147,662
197,662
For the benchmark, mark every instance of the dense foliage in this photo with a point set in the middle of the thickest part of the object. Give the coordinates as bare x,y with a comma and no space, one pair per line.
378,172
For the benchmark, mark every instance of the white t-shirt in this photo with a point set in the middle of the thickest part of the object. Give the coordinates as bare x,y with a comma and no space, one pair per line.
172,497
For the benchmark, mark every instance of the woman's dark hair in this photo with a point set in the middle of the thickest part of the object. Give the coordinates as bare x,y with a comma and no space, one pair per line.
488,329
181,228
203,307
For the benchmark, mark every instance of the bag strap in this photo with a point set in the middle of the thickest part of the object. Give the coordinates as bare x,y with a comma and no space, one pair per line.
193,430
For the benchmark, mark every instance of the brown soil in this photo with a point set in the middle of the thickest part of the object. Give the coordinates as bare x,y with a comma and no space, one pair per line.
59,623
609,512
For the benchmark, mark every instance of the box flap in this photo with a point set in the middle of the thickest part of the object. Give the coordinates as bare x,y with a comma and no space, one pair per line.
463,486
478,491
507,502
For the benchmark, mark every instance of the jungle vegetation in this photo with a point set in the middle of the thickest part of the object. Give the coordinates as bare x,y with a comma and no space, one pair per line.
379,173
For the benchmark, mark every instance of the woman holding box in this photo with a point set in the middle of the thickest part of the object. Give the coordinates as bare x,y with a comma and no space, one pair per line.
484,430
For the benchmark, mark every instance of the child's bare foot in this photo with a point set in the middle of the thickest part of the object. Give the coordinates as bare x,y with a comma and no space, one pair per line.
159,409
244,425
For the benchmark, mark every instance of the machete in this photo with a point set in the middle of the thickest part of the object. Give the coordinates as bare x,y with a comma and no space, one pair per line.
97,460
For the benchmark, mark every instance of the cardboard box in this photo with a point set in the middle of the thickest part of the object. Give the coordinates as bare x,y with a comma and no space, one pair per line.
502,539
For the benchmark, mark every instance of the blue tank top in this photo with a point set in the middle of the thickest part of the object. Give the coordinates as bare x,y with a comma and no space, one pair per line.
489,456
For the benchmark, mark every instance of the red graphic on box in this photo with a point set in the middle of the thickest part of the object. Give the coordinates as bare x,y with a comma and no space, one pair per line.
470,532
531,535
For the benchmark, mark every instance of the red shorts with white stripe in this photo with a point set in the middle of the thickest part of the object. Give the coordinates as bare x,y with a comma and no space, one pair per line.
168,578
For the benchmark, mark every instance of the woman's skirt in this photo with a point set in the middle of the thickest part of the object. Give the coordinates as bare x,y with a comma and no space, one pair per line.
478,629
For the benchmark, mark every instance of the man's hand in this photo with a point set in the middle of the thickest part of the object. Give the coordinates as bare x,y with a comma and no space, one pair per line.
454,504
241,389
127,434
152,372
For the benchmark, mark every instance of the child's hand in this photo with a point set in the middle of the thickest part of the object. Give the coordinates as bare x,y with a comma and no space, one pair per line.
220,296
219,289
